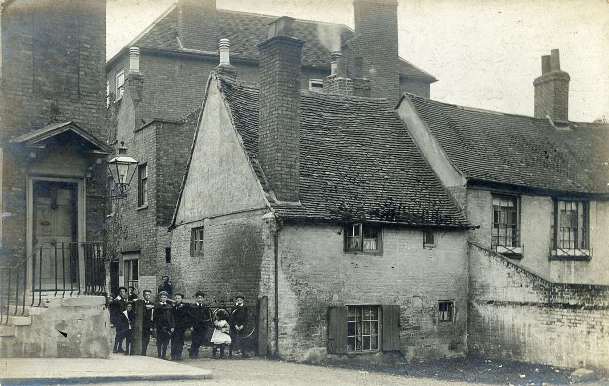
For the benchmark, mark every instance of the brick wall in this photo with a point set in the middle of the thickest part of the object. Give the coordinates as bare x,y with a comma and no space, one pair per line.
315,273
514,314
53,56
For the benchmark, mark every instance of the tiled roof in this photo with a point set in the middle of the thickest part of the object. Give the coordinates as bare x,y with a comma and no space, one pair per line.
520,150
245,30
357,161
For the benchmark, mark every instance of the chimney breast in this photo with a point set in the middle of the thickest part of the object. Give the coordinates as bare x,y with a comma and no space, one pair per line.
198,24
552,89
279,109
376,46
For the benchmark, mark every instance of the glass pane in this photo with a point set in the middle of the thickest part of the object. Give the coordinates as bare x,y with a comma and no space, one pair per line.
350,328
351,344
374,342
366,328
366,343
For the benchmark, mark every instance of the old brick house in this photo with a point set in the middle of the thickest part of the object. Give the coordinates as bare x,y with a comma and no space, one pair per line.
321,203
156,82
538,190
52,176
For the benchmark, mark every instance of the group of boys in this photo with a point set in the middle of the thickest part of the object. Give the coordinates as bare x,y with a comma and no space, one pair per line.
171,318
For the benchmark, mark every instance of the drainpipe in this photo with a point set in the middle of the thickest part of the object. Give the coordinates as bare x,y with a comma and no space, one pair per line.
276,317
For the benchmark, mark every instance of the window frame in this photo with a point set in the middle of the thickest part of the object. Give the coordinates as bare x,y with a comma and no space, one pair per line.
119,87
360,308
515,250
426,243
451,311
362,230
581,246
319,82
194,241
128,271
142,185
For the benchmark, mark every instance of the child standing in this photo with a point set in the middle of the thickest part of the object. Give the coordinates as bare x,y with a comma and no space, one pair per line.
221,337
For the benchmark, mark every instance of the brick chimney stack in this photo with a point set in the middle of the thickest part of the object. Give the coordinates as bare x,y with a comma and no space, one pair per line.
279,115
376,46
552,89
198,24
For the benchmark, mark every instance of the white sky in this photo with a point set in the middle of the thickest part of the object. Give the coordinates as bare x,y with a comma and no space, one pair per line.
485,53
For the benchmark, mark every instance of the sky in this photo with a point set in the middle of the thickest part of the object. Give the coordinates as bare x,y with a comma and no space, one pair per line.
485,53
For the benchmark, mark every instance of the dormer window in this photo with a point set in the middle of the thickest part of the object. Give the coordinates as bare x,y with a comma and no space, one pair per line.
361,237
316,85
120,84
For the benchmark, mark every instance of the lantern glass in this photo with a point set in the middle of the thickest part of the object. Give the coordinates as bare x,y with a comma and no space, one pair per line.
122,169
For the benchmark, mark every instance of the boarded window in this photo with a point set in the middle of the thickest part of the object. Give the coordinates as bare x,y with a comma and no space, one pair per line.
337,330
391,327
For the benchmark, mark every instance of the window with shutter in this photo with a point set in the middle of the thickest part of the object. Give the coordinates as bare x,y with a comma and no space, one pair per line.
391,328
337,330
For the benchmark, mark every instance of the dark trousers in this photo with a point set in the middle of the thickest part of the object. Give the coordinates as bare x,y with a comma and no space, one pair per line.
118,340
198,338
129,342
177,343
238,342
145,341
162,341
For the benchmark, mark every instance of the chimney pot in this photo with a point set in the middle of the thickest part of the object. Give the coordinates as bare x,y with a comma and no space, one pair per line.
224,48
554,60
134,59
545,64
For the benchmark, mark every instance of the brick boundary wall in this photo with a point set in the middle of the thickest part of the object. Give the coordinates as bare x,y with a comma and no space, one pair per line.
515,314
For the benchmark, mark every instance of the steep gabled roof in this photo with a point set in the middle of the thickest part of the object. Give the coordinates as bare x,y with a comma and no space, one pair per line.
357,161
520,150
40,136
246,30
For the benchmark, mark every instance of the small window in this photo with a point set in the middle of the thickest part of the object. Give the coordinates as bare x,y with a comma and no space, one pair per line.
446,310
428,239
132,272
120,84
363,328
167,255
142,185
196,241
362,238
316,84
572,230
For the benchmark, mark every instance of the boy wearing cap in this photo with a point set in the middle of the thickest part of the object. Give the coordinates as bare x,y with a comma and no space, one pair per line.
164,324
201,322
238,322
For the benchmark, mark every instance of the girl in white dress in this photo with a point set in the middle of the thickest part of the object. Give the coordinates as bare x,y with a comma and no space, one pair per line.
220,337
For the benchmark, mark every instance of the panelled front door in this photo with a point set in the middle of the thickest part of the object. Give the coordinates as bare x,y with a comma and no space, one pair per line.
55,235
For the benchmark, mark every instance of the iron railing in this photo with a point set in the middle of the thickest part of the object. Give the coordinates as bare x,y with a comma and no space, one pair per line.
57,269
13,280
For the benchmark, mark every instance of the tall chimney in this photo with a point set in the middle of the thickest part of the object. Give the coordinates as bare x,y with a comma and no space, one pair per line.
376,46
552,89
198,24
279,114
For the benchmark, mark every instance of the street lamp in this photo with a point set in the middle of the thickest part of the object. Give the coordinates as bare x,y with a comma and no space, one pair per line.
122,169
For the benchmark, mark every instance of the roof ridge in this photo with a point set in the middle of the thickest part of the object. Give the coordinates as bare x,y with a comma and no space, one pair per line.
278,16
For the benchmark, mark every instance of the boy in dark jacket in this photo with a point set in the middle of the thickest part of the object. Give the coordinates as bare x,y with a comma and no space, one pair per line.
117,306
124,328
181,317
201,323
164,324
147,322
238,326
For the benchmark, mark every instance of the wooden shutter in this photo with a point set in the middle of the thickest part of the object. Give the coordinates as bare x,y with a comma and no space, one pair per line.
337,330
391,328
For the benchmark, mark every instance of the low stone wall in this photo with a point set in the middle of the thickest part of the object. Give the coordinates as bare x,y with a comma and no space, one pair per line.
84,320
515,314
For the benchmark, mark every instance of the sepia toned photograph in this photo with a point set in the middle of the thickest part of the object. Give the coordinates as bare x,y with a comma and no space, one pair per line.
304,192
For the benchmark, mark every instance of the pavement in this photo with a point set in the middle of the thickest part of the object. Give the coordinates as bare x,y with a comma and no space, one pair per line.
118,368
